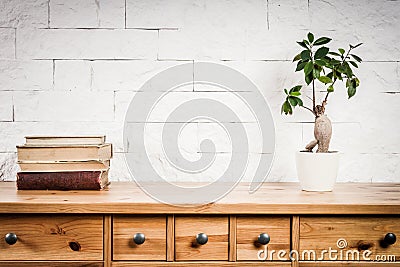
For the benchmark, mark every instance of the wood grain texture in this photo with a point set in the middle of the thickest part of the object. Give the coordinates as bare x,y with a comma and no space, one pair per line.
107,240
360,233
170,238
232,238
125,197
295,237
348,264
186,229
202,263
153,227
49,237
50,264
250,227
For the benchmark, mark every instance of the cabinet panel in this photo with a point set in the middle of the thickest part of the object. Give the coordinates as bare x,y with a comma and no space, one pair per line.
152,227
348,238
52,237
216,229
250,227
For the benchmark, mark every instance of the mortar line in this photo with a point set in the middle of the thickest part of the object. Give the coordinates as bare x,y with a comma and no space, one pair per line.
15,43
267,14
48,14
125,14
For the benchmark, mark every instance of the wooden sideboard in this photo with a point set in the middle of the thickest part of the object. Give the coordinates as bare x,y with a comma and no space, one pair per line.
123,227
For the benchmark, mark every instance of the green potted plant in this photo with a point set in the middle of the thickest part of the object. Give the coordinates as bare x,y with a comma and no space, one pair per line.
320,65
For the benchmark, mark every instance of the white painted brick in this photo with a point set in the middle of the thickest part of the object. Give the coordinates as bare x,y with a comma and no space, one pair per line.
389,168
8,166
27,13
19,75
127,75
6,106
119,169
71,75
376,28
273,44
87,44
156,14
288,14
7,40
64,106
202,44
13,133
87,14
210,14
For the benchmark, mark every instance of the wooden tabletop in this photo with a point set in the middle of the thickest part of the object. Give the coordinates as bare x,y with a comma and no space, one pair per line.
271,198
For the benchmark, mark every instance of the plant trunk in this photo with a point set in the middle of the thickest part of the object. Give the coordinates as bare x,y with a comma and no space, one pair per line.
322,134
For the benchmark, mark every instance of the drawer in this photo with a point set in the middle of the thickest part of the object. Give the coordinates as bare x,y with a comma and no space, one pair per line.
152,227
52,237
214,227
249,228
350,236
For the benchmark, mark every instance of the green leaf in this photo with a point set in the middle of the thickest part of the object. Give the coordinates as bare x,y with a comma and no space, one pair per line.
299,101
286,108
297,57
330,89
310,37
308,68
295,93
321,52
322,41
302,44
357,82
309,78
305,55
325,79
335,62
316,73
320,62
334,53
296,88
347,70
356,57
300,65
357,45
341,51
351,91
286,92
292,101
354,64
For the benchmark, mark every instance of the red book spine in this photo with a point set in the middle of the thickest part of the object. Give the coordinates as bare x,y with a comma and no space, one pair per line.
72,180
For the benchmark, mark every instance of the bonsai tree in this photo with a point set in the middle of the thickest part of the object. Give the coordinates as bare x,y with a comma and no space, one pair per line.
321,65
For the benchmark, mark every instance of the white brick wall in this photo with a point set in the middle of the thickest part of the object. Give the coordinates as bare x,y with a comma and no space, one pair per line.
72,67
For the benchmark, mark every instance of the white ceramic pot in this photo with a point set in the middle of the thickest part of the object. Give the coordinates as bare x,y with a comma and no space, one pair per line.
317,171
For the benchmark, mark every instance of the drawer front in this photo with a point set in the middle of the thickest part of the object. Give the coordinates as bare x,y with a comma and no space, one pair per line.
52,237
249,228
186,230
350,236
152,227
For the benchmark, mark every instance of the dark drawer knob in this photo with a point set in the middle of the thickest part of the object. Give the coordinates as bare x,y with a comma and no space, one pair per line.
201,239
139,238
389,239
11,238
263,239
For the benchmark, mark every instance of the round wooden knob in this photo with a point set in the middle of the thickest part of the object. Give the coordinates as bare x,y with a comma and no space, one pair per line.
11,238
139,238
263,239
201,239
389,239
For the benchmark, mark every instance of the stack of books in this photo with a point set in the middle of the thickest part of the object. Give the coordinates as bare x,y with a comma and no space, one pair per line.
64,163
